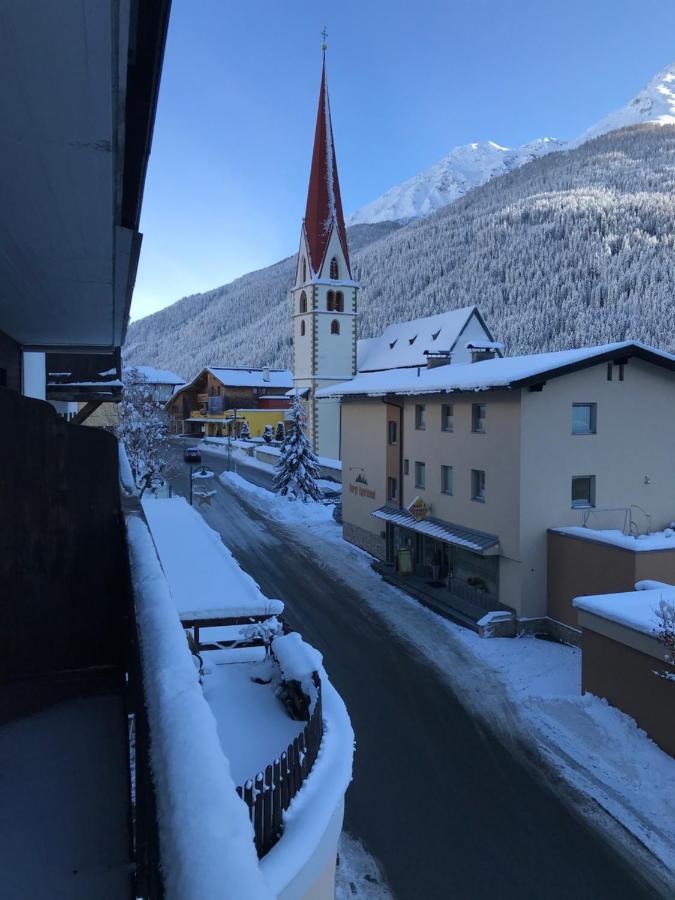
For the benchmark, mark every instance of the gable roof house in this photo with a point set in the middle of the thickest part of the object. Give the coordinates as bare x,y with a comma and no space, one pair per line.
469,465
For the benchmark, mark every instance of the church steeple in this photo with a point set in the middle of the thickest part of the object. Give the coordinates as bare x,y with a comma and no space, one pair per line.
323,214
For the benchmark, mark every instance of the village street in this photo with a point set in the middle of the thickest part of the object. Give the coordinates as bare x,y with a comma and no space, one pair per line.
447,809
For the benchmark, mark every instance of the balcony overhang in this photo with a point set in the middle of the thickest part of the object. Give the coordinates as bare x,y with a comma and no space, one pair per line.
83,377
77,105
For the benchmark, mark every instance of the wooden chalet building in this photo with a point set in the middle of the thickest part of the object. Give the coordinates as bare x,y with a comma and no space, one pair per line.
218,401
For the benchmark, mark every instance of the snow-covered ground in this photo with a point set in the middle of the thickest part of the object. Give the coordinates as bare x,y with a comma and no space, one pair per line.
358,875
527,688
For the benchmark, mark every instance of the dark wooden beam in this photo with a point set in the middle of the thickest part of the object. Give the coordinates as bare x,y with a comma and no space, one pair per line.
89,407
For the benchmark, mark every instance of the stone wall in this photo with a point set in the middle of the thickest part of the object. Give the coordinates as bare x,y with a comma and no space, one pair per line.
371,543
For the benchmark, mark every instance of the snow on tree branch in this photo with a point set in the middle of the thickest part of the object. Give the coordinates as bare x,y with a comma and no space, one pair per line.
143,429
297,469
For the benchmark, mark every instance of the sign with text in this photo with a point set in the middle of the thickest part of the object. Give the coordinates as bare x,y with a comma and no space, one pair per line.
419,508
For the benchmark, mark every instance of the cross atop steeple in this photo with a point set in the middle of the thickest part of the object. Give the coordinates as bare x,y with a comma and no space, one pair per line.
324,35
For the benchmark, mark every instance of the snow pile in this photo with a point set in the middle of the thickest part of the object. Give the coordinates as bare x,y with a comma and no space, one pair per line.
656,540
463,168
632,609
204,578
358,874
205,833
297,660
654,104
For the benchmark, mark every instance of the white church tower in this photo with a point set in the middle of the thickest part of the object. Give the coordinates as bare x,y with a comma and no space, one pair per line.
324,297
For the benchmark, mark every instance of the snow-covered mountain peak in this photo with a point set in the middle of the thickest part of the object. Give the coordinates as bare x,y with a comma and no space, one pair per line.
465,167
654,104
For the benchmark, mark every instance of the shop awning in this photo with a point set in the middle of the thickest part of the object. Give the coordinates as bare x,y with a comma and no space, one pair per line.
466,538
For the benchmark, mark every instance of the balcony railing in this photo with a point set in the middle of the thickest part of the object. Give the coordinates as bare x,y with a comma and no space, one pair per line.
270,793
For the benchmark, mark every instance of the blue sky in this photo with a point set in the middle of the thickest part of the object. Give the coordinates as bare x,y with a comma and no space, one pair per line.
227,179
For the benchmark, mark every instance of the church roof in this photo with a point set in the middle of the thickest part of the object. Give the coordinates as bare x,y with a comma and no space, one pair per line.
323,213
406,344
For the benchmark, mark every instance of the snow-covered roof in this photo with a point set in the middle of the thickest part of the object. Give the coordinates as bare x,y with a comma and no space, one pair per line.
505,372
633,609
157,376
658,540
405,344
235,377
203,575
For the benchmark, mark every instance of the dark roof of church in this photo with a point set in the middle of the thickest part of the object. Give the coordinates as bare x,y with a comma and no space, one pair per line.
323,213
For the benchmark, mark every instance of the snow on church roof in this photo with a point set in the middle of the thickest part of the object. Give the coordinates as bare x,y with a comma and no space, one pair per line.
405,343
503,372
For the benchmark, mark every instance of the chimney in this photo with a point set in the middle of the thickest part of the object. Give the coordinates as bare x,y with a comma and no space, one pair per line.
482,350
266,373
438,358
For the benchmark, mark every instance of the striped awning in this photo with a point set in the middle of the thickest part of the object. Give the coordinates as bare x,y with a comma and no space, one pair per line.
458,535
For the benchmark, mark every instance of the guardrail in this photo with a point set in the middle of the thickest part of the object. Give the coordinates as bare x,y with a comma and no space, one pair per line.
270,793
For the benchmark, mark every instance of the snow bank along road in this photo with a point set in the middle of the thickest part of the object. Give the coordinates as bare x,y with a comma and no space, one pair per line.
447,809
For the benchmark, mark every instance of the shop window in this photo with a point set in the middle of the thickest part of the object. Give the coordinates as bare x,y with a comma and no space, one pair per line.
583,418
393,432
420,475
478,485
392,489
420,417
583,492
335,327
447,418
478,418
446,479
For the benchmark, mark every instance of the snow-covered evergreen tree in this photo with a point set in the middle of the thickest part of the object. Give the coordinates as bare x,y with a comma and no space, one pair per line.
143,429
297,469
268,434
280,434
245,431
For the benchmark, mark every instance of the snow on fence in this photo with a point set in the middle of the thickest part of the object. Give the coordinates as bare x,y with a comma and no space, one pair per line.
270,793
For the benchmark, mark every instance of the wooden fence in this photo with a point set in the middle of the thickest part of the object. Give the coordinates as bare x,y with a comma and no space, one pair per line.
270,793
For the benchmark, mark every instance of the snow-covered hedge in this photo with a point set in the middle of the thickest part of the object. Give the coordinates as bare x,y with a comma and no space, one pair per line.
206,837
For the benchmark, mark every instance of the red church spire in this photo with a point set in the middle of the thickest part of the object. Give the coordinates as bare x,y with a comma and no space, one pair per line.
324,206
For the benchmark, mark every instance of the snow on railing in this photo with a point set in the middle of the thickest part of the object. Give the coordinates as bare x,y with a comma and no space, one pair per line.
206,839
270,793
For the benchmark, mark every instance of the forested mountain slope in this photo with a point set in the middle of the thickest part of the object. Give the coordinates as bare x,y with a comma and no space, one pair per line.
573,248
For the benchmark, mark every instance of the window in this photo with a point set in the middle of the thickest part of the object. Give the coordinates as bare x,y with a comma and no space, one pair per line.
478,485
334,272
406,467
335,327
330,301
339,302
303,302
478,418
302,328
610,369
446,417
420,417
304,269
583,418
583,491
420,475
393,432
446,479
392,489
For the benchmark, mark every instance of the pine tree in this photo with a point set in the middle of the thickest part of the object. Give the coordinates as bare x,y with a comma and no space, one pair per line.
268,434
245,431
297,469
143,429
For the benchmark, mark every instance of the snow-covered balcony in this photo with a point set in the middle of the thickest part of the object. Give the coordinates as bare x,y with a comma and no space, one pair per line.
252,746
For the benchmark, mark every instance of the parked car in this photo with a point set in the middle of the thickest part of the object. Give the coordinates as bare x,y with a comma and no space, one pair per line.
192,455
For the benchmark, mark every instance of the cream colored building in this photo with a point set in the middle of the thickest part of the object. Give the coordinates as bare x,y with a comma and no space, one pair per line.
498,452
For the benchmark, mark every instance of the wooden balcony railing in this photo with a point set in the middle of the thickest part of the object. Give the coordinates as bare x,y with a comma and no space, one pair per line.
270,793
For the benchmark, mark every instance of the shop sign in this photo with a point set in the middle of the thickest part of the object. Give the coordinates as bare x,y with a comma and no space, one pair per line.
360,486
419,509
